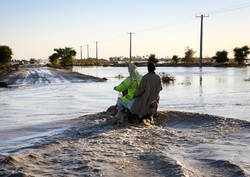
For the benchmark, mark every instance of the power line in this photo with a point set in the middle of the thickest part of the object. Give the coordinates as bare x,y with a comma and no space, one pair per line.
167,25
114,38
242,6
183,20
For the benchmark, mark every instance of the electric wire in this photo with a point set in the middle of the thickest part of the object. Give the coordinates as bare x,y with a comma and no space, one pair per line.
242,6
183,20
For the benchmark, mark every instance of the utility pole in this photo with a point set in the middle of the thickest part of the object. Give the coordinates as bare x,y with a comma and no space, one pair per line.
96,50
87,51
200,65
130,50
81,52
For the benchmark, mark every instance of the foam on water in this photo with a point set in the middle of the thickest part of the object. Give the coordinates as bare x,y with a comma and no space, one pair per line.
179,144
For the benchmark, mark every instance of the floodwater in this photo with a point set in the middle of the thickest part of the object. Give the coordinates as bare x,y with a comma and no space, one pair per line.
219,91
37,137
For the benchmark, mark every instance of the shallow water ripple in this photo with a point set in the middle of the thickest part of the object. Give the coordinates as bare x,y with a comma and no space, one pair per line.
179,144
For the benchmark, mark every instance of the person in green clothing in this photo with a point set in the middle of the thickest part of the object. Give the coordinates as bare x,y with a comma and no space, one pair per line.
128,85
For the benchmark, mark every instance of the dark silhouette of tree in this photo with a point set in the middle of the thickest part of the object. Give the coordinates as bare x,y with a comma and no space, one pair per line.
5,55
54,59
221,56
240,54
152,59
189,55
175,59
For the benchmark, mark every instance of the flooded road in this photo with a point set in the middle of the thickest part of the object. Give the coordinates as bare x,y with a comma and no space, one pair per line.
42,95
180,144
56,126
32,75
211,90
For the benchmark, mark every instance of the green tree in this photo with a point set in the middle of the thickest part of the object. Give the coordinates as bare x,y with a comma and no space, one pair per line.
5,55
240,54
65,55
221,56
152,59
189,55
175,59
54,59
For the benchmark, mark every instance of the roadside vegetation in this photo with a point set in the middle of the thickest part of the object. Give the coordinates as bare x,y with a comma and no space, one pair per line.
63,57
66,57
5,59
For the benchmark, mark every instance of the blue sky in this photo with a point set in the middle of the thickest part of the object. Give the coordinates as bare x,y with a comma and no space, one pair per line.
34,28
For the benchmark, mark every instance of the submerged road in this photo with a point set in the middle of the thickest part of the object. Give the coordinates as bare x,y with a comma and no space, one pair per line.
29,75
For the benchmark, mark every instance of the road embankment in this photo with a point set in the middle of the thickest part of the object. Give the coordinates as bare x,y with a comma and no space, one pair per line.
29,75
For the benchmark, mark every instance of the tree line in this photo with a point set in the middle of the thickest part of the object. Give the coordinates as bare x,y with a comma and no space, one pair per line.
240,56
66,56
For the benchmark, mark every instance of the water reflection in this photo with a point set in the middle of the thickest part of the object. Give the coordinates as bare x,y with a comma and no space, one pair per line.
206,90
201,82
201,77
218,91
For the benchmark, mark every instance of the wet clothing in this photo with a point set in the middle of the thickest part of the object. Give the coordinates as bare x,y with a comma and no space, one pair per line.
147,92
129,85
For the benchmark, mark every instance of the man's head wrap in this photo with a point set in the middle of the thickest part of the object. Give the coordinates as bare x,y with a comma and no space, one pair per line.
132,69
